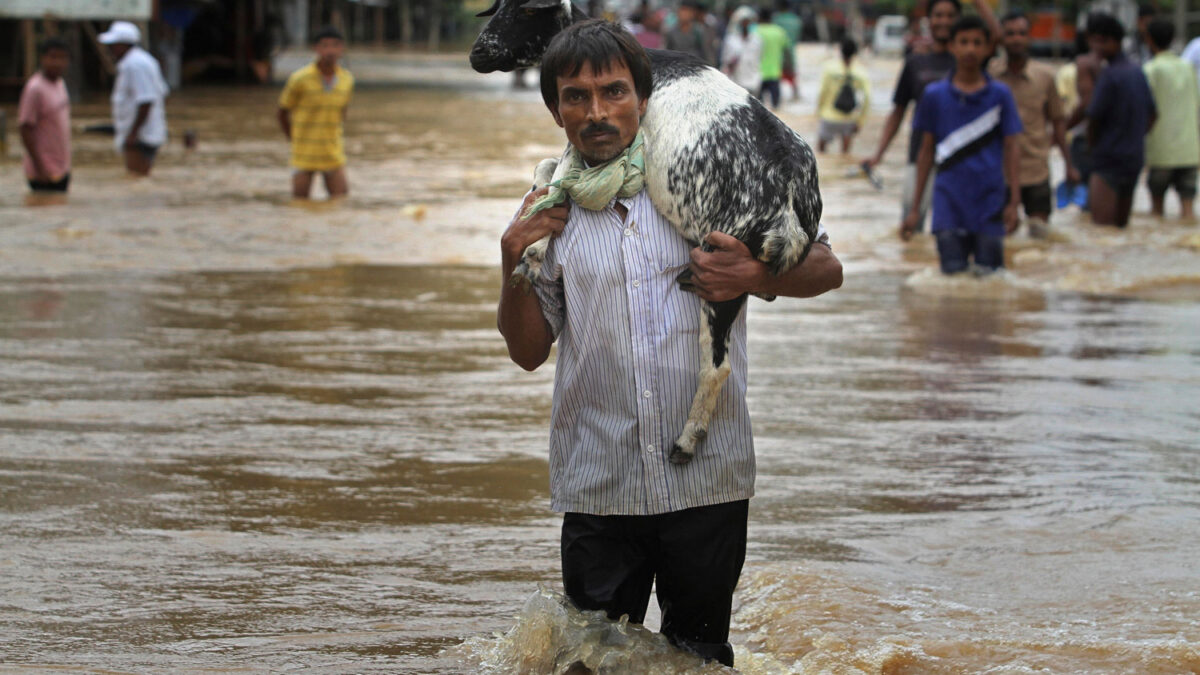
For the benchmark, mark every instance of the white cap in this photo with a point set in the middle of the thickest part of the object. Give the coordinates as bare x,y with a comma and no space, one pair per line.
121,32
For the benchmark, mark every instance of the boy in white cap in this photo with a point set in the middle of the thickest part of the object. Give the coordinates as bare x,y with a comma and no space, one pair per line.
139,116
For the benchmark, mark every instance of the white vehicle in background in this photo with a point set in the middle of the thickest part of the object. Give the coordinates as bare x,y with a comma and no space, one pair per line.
888,37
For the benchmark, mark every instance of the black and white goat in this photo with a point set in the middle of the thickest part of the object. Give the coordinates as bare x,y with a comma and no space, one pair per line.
716,160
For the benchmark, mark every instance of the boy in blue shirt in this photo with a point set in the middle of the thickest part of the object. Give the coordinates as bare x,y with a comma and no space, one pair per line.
968,125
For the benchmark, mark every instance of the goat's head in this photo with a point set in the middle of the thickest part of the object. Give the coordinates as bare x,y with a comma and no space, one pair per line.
518,33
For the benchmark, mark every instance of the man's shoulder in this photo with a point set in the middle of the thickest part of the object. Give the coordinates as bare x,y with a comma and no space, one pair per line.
774,31
938,91
999,88
927,59
1192,50
1168,62
302,73
138,58
34,86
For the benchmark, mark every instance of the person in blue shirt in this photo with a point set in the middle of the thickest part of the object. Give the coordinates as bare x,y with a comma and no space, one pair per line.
1120,114
968,125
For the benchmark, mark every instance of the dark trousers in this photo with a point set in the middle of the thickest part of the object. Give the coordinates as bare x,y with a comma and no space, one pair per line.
957,248
770,88
50,186
696,555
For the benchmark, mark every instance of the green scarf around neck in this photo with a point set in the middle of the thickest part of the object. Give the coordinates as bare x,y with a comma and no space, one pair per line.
593,188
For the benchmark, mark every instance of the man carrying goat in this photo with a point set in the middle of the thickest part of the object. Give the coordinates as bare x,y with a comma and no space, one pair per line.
628,350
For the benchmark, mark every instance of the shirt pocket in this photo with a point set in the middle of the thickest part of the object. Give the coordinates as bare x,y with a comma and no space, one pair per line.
672,256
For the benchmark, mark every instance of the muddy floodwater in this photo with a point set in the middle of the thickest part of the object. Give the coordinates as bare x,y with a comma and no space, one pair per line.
242,434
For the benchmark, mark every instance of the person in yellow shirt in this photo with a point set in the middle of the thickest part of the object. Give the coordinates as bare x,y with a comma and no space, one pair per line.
312,110
844,99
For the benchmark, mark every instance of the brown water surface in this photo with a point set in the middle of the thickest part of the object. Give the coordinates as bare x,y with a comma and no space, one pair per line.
242,434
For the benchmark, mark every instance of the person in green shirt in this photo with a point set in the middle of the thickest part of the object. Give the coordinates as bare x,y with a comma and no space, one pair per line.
774,47
1173,144
787,19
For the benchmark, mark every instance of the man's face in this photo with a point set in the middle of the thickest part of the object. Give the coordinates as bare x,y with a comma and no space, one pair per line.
1016,37
55,62
686,14
1103,46
329,50
600,111
969,47
118,50
941,19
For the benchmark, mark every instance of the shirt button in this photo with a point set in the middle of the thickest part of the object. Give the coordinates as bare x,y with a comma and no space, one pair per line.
649,448
646,393
637,283
628,232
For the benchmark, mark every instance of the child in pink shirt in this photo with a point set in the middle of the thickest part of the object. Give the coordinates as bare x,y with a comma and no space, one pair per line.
44,115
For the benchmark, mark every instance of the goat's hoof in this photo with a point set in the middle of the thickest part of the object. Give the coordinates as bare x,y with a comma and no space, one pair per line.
524,275
679,456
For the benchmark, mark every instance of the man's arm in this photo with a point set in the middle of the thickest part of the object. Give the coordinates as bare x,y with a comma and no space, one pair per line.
729,271
143,112
285,122
1085,83
1060,140
890,127
989,18
924,167
1012,159
1058,124
519,317
29,140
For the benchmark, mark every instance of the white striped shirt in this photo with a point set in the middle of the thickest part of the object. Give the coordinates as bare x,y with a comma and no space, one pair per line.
627,368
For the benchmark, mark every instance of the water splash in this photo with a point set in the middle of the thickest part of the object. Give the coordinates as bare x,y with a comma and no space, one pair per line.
999,285
552,636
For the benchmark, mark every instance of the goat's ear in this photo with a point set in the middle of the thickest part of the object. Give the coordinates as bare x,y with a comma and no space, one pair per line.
541,4
491,10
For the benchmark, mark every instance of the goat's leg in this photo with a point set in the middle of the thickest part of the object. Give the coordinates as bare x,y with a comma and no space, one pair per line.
716,319
530,267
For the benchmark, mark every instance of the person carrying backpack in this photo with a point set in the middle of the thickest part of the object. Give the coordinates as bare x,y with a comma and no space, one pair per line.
844,100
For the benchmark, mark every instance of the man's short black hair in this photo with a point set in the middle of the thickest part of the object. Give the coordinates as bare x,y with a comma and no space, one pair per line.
1161,32
934,3
1081,42
599,43
765,15
328,32
1013,15
1145,10
970,22
849,48
52,43
1105,25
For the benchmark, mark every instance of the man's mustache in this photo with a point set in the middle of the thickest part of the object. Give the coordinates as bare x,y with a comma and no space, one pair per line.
598,128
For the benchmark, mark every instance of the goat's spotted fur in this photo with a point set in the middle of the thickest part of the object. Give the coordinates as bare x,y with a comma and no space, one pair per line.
716,160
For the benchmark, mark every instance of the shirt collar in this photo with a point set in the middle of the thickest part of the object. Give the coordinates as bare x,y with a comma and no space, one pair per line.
1002,66
987,84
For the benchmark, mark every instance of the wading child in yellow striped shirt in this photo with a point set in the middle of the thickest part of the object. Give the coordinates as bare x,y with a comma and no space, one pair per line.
312,109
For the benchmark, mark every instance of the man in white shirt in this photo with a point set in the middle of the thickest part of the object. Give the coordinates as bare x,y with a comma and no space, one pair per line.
1191,54
139,115
628,352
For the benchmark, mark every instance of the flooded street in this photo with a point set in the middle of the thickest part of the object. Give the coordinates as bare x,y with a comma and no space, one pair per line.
239,434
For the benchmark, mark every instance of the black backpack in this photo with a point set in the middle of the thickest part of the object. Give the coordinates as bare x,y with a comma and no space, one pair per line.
846,100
